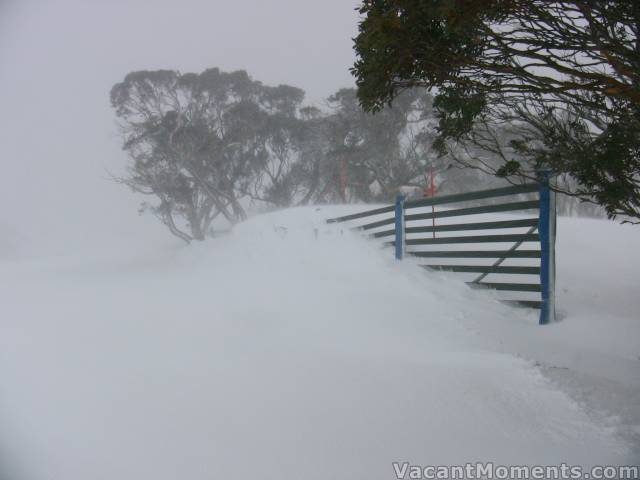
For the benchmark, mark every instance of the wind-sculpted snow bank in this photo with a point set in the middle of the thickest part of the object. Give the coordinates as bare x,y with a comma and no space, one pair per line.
287,348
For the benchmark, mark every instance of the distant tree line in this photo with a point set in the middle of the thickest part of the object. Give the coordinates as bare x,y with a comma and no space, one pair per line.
207,146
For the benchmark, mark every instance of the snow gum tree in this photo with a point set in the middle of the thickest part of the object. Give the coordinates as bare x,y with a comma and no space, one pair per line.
563,76
380,153
201,143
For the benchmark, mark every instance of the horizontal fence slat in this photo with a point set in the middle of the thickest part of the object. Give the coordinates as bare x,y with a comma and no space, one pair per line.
523,303
524,237
479,254
367,213
505,207
462,197
459,227
485,269
512,287
385,233
526,222
379,223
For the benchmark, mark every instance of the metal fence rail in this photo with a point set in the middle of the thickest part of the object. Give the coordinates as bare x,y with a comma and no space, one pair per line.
544,237
459,227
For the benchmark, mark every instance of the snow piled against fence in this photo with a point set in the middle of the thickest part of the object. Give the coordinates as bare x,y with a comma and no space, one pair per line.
294,349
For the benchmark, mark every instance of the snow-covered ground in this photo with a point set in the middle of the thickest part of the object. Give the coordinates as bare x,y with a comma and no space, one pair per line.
294,349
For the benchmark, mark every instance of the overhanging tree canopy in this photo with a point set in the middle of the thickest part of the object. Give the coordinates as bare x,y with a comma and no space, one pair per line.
563,75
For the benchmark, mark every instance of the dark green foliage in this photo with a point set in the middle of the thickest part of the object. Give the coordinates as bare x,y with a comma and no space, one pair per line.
537,84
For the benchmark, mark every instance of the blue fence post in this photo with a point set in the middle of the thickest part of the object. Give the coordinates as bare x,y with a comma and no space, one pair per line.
547,231
399,224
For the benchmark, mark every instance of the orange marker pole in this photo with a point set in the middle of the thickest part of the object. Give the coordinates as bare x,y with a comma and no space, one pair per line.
432,191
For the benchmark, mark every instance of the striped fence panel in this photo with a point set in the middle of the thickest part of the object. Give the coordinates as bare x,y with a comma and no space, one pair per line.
408,237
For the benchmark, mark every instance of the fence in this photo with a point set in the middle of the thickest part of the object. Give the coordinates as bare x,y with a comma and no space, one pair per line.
534,262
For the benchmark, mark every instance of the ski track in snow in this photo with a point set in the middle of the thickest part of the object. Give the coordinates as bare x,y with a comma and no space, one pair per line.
291,348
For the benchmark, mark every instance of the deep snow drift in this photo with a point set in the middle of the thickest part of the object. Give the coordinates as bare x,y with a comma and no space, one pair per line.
294,349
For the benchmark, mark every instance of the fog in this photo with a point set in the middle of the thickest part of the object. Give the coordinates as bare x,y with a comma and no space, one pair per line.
286,345
59,59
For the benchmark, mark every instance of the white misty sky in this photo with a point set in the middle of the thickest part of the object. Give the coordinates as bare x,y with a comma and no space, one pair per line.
59,59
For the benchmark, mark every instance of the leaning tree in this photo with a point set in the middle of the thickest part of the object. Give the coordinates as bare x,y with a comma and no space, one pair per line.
201,143
559,79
